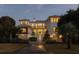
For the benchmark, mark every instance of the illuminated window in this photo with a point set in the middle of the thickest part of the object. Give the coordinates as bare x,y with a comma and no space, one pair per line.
54,29
21,22
51,19
54,19
44,29
40,24
35,30
24,22
36,25
57,19
39,29
43,25
32,25
23,30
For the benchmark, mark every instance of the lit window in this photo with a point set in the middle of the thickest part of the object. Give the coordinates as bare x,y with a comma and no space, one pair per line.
21,22
45,30
36,25
32,25
54,29
51,19
43,25
24,22
23,30
39,29
35,30
60,36
57,19
40,24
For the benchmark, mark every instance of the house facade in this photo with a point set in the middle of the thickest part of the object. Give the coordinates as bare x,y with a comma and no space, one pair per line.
39,27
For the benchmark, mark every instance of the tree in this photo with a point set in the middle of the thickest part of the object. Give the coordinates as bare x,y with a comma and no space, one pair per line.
46,36
8,27
69,23
33,38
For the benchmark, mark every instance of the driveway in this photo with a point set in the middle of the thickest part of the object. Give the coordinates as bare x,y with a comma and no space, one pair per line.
35,49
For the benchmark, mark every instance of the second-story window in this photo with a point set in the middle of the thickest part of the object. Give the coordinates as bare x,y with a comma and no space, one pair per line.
24,22
32,25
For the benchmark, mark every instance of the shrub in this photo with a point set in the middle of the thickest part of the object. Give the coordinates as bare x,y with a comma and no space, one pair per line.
33,39
48,41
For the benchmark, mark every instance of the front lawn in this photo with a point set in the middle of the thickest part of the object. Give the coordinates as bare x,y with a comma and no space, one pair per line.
61,48
10,47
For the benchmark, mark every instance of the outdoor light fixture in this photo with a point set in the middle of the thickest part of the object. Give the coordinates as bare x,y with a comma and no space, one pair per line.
60,36
40,46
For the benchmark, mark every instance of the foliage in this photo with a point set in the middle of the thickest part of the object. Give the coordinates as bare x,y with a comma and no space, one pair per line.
46,36
7,28
69,23
33,38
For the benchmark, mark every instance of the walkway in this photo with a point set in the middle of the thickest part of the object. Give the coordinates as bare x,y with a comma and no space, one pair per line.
35,49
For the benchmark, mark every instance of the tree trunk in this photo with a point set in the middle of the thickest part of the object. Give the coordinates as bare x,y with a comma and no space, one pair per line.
68,42
10,36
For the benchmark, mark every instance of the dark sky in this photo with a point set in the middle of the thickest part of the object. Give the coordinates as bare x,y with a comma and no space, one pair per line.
38,11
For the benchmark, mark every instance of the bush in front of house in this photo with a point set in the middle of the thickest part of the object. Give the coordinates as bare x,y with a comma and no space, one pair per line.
49,41
33,39
47,38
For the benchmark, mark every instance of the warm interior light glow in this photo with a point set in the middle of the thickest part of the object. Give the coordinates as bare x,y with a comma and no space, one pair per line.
57,20
60,36
35,30
40,46
52,20
24,22
40,24
23,30
36,25
45,30
51,36
32,25
54,29
43,25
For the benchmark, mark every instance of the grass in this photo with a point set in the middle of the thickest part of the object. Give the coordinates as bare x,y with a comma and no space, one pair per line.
50,48
10,47
62,49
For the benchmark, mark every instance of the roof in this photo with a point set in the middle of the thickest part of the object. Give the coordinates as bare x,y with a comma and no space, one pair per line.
38,21
24,20
53,16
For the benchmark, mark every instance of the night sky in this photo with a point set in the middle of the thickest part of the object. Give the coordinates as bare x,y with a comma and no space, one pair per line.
38,11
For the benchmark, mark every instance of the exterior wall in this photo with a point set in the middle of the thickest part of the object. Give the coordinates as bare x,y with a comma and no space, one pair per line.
52,28
50,24
39,29
22,36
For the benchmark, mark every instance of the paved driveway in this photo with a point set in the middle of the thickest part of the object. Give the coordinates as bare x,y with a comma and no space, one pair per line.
36,49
